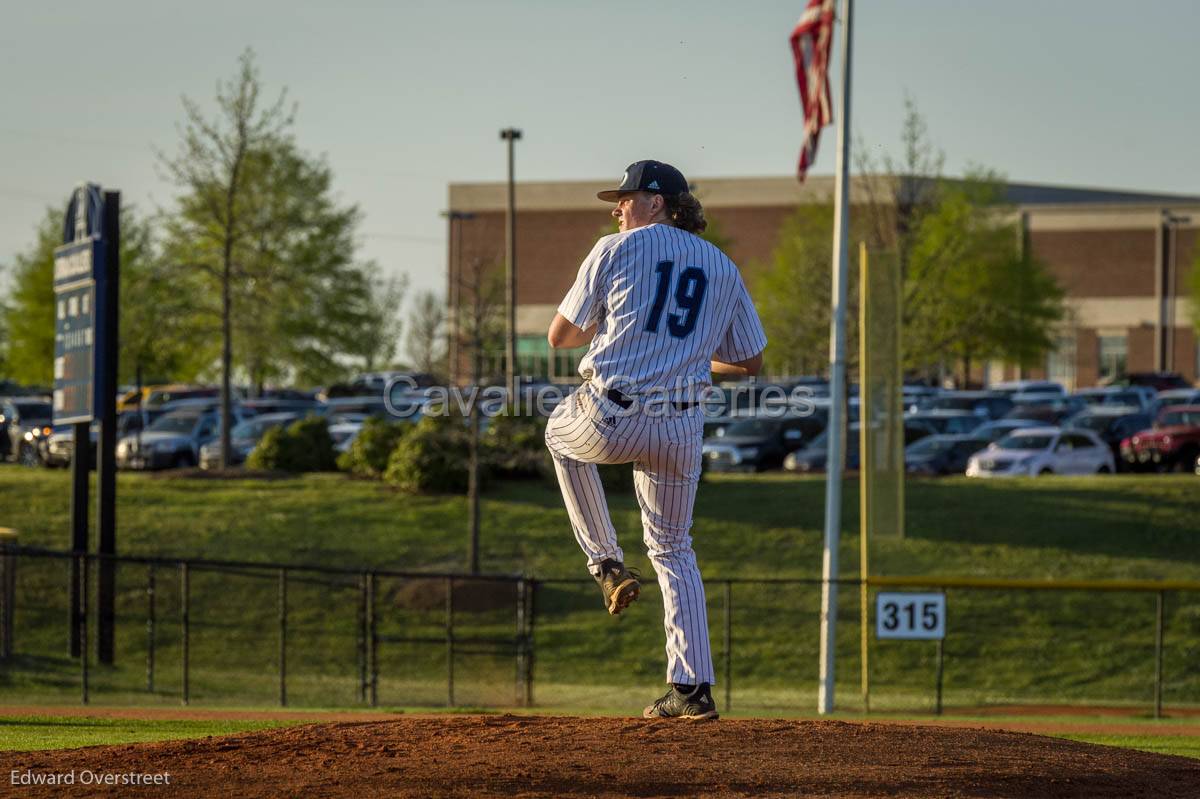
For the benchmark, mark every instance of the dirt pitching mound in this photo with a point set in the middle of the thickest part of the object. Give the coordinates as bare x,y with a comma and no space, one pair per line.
504,756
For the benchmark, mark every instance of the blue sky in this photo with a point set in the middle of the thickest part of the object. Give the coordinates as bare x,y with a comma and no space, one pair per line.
405,97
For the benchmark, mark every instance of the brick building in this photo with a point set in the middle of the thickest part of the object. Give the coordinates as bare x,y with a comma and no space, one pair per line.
1123,259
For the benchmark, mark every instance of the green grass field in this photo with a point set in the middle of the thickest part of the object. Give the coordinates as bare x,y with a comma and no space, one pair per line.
1002,647
26,733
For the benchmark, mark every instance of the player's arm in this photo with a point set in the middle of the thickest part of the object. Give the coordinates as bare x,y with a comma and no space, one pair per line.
747,368
565,335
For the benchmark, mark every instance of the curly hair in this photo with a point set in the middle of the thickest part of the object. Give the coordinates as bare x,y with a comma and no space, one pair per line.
686,213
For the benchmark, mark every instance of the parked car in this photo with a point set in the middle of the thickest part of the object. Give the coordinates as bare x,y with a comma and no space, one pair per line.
243,438
160,397
1132,396
273,405
173,440
1043,450
1046,409
1173,444
1173,396
756,443
1012,387
1159,381
938,455
813,457
715,428
1113,424
24,421
946,422
987,404
994,431
59,447
371,406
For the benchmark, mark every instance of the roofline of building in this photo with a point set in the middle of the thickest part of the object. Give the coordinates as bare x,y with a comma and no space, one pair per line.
775,191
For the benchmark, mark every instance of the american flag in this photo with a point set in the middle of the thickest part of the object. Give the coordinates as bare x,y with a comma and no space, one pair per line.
810,47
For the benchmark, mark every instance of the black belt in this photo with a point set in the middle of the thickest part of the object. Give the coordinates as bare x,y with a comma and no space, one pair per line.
626,403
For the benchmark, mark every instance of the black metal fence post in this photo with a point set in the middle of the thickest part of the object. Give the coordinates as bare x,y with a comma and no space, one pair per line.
450,641
372,644
530,616
1158,654
940,673
362,638
283,619
728,645
8,589
520,648
82,633
151,621
184,603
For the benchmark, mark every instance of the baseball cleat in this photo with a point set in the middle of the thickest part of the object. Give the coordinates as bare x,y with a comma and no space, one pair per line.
675,704
619,586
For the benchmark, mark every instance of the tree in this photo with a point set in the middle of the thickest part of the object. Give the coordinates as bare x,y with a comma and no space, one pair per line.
972,290
216,220
272,251
425,339
154,321
480,316
162,338
29,316
793,294
1195,280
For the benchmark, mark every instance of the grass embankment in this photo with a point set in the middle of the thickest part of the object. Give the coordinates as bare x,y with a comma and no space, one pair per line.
1001,647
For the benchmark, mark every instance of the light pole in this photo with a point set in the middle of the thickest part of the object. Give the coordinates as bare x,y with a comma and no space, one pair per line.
453,296
511,135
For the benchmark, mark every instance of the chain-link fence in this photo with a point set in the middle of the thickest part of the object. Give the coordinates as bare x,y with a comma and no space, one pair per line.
254,634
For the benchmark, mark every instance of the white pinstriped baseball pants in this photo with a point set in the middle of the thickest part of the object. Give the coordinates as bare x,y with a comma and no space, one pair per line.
587,429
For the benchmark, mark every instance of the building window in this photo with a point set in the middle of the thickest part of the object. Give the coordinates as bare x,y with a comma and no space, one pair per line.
533,356
1113,350
1060,364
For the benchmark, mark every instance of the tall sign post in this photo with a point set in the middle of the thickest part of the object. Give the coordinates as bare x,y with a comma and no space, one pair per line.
85,345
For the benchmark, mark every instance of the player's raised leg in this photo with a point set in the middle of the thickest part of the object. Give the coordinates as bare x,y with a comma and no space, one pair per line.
571,435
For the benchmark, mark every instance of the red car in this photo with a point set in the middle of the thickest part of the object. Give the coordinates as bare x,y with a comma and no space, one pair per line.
1173,444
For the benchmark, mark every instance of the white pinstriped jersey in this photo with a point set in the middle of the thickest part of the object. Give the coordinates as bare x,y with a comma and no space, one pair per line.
665,302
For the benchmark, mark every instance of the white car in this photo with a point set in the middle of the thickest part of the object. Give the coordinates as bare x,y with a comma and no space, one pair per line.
1043,450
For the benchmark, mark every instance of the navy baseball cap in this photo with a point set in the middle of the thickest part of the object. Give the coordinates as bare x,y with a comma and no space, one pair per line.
652,176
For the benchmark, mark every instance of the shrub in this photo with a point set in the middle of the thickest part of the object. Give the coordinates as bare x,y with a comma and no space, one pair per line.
368,455
515,446
432,457
303,446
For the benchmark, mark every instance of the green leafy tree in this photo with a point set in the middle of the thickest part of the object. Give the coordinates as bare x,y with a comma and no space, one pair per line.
29,316
792,293
153,319
972,292
271,251
217,220
1195,280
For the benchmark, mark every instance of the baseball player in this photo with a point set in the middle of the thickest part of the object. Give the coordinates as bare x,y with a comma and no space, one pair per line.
662,310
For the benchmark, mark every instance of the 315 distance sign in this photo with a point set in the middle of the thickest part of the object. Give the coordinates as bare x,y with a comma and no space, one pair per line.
906,615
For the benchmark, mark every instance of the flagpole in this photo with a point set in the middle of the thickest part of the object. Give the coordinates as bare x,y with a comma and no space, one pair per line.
837,378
